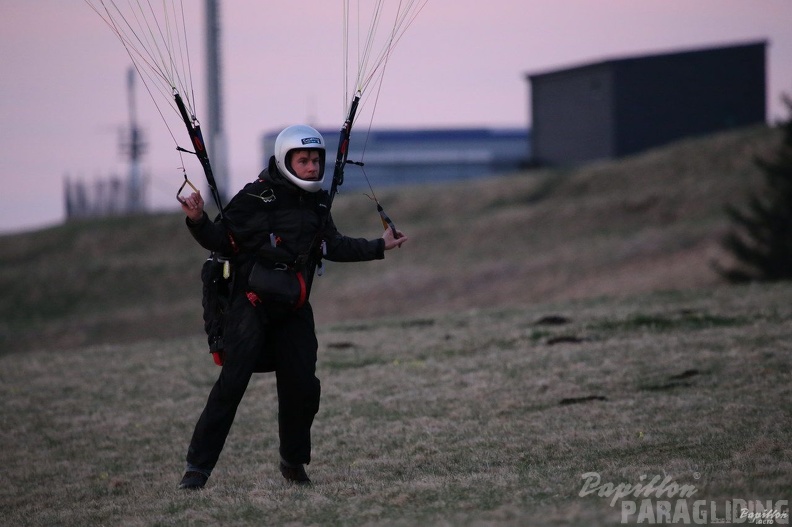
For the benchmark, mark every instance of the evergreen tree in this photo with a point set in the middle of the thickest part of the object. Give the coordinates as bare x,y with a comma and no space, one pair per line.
761,235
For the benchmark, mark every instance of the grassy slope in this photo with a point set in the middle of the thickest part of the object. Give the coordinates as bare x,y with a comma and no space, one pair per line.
452,415
646,223
474,418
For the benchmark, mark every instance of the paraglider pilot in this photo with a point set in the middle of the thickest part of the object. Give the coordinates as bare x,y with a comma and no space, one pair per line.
274,232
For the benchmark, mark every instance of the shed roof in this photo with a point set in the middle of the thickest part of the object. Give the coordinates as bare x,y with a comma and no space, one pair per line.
632,58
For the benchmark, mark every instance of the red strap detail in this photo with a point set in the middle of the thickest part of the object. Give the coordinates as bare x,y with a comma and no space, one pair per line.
219,357
253,298
303,291
233,242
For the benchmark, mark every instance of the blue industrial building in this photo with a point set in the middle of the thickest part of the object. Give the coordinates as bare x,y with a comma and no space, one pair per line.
398,157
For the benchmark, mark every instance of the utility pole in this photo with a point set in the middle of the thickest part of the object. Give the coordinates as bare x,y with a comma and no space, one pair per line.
216,144
134,149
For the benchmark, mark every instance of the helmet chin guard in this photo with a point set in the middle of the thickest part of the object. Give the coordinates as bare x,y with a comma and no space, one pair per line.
299,137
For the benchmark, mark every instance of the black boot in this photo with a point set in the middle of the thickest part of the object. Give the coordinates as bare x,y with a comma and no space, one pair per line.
294,473
193,480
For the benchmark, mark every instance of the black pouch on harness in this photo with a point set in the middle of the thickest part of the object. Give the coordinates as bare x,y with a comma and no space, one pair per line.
216,292
278,286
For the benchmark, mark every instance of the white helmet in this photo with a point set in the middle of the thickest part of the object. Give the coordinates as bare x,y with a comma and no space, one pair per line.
299,137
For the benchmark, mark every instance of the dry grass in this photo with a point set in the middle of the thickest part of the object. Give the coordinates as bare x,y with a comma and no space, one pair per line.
446,420
461,406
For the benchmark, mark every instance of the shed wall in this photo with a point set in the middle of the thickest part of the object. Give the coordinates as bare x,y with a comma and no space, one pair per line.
573,116
619,107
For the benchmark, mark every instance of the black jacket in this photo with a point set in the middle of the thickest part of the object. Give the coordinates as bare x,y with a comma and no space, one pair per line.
271,205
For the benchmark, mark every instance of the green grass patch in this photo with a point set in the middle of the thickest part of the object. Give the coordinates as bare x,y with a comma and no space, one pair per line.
684,320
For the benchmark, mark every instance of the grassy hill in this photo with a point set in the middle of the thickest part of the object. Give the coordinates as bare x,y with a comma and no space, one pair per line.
538,330
479,417
647,223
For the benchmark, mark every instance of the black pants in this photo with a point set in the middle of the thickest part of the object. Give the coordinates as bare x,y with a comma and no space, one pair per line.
255,341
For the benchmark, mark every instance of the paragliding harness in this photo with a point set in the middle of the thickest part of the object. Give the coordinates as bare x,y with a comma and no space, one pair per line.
216,279
276,282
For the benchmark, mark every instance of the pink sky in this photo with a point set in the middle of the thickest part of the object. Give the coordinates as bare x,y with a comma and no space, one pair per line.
62,77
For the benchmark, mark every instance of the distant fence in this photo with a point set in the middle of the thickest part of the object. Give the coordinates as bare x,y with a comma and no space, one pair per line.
112,196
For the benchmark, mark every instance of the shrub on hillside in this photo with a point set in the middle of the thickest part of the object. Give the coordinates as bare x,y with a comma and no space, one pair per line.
761,235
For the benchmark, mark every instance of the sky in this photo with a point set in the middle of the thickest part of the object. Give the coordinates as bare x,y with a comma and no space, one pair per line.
63,93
